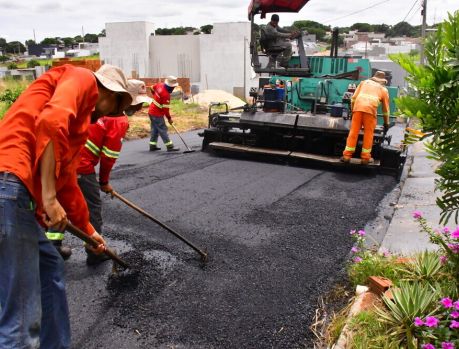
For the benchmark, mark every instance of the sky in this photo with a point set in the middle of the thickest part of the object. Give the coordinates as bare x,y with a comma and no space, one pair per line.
52,18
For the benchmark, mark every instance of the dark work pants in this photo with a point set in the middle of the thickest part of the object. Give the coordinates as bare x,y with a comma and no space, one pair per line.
90,188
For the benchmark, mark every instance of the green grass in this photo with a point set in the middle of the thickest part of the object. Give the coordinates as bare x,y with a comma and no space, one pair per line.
375,265
368,332
16,87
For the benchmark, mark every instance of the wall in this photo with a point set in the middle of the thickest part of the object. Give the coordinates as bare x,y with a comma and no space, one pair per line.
222,57
398,74
175,55
127,45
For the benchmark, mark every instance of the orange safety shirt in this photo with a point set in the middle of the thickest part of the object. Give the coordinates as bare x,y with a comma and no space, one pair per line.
160,104
368,96
56,107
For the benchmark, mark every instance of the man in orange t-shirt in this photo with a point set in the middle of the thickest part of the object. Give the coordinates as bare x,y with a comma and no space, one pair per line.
365,101
40,138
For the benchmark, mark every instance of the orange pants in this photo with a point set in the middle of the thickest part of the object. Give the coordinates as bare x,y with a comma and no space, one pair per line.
368,121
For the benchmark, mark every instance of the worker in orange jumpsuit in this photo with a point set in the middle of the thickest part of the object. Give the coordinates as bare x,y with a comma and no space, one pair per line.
40,138
102,147
365,101
159,108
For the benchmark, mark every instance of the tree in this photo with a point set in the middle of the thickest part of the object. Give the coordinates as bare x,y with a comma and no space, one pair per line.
68,42
30,42
2,44
49,41
15,47
381,28
402,29
78,39
33,63
207,29
436,105
312,27
362,27
173,31
3,59
102,33
12,66
93,38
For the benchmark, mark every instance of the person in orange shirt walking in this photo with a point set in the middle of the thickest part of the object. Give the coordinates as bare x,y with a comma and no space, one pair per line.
40,138
365,101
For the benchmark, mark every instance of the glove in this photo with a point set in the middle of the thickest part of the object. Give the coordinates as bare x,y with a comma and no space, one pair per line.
170,121
386,127
106,188
101,248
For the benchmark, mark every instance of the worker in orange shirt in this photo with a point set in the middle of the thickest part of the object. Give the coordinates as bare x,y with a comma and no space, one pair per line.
364,105
102,148
40,138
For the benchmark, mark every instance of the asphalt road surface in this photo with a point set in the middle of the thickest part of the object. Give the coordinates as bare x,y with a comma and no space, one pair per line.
277,236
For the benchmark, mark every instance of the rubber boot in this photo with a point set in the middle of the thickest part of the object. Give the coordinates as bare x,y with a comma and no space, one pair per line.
271,63
64,251
95,259
172,148
154,148
345,159
367,161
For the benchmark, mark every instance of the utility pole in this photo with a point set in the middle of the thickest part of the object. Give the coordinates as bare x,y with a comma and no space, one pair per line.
34,37
423,30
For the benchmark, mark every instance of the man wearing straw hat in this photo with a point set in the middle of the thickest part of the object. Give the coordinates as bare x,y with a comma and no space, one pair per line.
40,139
159,108
364,104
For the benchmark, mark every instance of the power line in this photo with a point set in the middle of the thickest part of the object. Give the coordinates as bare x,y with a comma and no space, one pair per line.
356,12
411,9
414,13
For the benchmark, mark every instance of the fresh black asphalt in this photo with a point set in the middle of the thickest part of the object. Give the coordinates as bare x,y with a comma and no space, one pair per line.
277,236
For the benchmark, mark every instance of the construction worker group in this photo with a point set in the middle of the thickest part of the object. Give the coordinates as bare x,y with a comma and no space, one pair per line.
64,124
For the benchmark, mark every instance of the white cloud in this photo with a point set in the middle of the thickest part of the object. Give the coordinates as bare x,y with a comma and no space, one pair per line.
66,17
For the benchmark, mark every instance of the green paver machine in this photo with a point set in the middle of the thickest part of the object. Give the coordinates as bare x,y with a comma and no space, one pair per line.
303,111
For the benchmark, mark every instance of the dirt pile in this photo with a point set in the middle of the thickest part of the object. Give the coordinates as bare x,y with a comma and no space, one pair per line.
216,96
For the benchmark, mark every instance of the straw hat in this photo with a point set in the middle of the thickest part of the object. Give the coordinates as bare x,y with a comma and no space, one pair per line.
171,81
113,79
138,91
380,77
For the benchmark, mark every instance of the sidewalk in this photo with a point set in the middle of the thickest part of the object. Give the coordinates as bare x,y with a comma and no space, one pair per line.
418,193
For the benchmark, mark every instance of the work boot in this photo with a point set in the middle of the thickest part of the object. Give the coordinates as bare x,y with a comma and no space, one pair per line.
64,251
95,259
345,159
271,63
367,161
172,148
154,148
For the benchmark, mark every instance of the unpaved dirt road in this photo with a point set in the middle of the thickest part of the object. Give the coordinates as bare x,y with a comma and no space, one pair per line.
277,238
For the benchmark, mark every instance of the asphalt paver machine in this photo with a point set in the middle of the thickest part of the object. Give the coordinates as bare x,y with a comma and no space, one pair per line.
301,112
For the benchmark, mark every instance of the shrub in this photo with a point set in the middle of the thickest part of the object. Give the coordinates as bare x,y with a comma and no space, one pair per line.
33,63
12,66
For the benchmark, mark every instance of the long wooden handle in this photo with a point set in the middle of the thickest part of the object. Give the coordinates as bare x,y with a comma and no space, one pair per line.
90,241
203,254
175,129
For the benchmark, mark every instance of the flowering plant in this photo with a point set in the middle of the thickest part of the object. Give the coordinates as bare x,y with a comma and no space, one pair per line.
447,239
441,330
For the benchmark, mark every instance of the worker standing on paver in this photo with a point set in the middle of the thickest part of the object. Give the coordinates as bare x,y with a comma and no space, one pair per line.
364,105
160,108
102,146
279,37
40,138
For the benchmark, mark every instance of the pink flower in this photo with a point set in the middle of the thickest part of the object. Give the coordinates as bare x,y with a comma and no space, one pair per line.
455,234
446,231
352,232
447,302
428,346
456,305
361,232
355,249
418,322
358,259
432,321
443,259
454,324
447,345
454,248
455,314
417,214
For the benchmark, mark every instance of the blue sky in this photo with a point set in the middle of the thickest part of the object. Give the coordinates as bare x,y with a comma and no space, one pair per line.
66,18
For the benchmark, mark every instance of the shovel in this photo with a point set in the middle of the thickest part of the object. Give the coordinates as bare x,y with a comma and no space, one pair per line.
189,150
